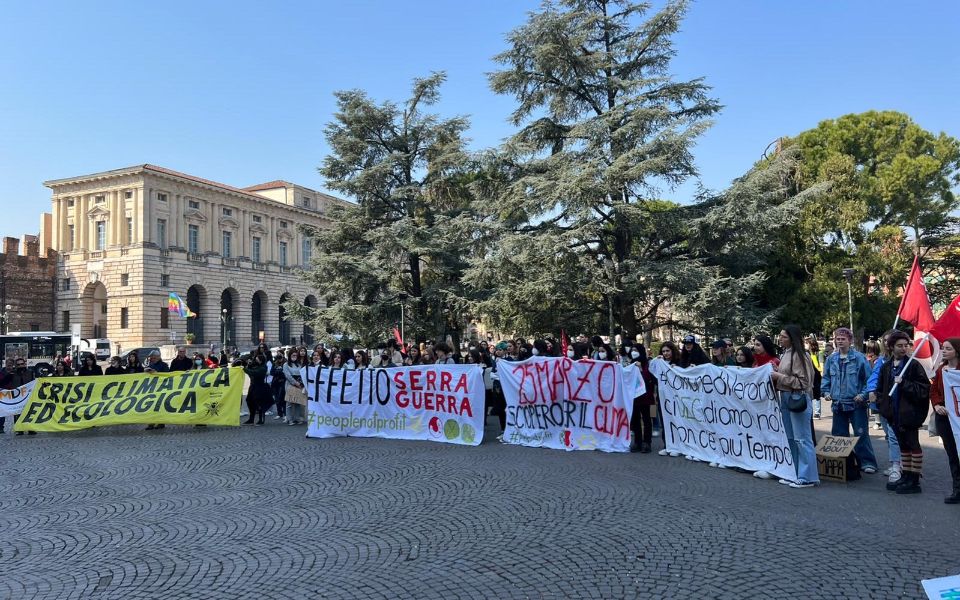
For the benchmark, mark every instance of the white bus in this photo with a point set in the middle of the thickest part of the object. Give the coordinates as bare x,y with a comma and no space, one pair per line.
39,348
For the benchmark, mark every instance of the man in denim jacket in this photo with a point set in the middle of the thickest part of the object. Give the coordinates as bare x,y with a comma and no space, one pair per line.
844,385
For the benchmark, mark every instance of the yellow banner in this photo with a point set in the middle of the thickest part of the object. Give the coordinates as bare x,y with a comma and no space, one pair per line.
203,397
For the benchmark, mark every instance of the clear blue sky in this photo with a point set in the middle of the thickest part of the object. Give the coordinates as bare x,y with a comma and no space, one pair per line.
239,91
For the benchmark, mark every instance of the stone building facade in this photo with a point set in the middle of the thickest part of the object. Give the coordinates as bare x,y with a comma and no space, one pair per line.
128,238
27,286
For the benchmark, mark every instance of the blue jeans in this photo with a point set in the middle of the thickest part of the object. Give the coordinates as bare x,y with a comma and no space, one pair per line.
892,444
798,427
816,406
860,419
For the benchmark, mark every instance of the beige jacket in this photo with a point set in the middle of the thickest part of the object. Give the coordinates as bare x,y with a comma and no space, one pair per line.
796,372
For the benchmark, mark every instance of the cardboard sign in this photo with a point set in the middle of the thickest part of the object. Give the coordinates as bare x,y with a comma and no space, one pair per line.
835,458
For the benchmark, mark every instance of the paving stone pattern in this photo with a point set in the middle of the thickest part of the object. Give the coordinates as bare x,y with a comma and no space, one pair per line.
265,513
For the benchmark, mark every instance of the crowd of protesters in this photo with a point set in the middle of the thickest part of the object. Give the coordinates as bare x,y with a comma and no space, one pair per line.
881,379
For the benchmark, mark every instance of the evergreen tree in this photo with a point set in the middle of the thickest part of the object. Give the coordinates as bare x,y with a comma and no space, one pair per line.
407,239
575,202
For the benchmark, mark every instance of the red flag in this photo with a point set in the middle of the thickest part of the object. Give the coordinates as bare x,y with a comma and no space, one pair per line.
948,325
396,335
564,342
915,306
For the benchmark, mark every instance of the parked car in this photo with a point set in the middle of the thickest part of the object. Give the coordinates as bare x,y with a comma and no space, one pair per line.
142,353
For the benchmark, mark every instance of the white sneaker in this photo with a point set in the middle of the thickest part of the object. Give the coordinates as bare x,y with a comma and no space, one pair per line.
803,484
277,417
244,413
500,438
268,413
664,452
762,475
785,482
888,470
869,470
894,476
719,466
714,465
656,433
674,454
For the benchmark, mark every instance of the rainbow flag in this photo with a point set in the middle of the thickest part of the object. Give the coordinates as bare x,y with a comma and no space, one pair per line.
176,304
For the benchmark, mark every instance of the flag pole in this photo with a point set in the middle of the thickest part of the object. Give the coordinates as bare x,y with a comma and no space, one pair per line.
917,348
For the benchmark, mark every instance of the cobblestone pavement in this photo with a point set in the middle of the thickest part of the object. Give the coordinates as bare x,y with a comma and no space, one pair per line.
264,513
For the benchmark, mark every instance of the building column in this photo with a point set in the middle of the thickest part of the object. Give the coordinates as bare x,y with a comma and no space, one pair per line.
56,224
244,234
214,242
83,225
139,203
116,238
175,220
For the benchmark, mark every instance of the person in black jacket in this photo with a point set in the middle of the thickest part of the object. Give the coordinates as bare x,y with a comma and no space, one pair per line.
692,353
906,407
114,368
181,362
133,364
89,367
258,395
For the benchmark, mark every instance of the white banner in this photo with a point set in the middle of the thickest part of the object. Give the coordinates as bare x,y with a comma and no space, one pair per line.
13,401
569,405
440,403
726,415
951,400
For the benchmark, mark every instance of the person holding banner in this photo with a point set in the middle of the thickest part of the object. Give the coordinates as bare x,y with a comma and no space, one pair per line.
20,375
692,353
115,367
89,367
903,398
258,395
641,424
938,396
295,397
844,385
793,377
764,351
744,357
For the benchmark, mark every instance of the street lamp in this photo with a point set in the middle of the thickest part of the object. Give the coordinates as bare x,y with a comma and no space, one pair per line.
402,297
223,327
848,275
4,315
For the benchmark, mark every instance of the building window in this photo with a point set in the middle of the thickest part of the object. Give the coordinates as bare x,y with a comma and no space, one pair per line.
283,254
306,251
162,197
34,326
124,279
194,204
65,317
162,232
283,224
128,194
164,318
255,250
193,239
101,235
129,230
103,308
307,202
164,280
257,219
65,285
70,202
98,200
228,212
227,242
124,317
72,237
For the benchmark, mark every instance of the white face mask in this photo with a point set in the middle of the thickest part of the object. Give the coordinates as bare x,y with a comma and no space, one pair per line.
601,355
634,354
198,362
570,353
536,352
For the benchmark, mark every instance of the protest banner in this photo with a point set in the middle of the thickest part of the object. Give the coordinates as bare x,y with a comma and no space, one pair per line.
726,415
204,397
439,403
951,400
569,405
12,401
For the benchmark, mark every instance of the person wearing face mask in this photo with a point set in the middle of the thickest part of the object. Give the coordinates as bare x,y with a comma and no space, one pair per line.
604,352
640,423
539,348
903,398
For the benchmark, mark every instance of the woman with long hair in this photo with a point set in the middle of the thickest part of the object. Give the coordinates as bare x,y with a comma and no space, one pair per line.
278,386
895,471
414,358
258,394
764,351
793,377
938,394
294,390
336,361
89,367
640,422
692,354
670,353
903,398
744,357
62,369
133,364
